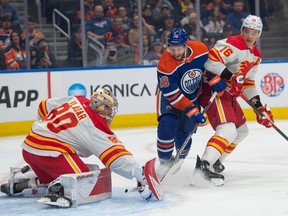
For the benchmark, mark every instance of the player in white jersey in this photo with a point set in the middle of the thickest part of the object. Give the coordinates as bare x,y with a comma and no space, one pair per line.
234,60
72,127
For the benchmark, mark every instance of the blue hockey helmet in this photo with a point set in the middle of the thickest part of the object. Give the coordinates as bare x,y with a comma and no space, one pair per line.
178,37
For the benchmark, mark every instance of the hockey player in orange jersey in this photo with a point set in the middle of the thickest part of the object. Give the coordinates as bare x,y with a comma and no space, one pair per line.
69,128
179,74
234,59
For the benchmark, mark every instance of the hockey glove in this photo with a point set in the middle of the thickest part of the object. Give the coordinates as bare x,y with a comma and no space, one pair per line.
193,112
237,82
143,189
267,118
217,84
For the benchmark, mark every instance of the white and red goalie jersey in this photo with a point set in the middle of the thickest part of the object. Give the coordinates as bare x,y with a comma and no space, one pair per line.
69,125
233,54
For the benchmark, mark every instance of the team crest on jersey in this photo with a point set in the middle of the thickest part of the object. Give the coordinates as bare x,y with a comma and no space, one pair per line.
190,80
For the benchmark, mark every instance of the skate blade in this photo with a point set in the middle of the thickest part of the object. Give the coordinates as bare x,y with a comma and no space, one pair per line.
198,179
60,202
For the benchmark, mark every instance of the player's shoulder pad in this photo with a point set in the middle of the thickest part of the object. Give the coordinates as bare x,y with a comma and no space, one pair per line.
237,41
198,48
167,64
256,52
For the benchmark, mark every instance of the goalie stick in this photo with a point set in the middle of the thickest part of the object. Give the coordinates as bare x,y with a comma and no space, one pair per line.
177,162
262,115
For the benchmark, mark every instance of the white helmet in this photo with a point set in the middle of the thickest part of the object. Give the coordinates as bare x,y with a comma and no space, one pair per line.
253,22
104,103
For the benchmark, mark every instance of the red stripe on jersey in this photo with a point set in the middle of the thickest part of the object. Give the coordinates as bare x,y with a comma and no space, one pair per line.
40,142
113,153
42,109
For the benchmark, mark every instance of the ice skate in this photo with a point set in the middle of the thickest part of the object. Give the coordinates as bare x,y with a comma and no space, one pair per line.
202,168
218,167
55,196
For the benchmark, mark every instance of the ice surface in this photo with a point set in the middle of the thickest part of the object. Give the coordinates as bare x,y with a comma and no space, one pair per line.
256,180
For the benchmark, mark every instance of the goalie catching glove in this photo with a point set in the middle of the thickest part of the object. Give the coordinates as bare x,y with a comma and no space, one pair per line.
267,118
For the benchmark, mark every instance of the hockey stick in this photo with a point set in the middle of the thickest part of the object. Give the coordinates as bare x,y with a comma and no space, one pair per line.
262,115
177,162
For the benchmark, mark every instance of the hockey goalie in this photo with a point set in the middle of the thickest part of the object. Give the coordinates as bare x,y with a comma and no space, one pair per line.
69,128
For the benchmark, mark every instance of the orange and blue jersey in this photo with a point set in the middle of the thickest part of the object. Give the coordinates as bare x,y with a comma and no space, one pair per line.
180,82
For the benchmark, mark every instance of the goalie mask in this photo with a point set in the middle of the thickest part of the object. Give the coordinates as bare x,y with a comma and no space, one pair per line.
104,103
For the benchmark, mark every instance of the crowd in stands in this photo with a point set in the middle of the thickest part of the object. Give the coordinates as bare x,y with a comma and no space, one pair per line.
114,23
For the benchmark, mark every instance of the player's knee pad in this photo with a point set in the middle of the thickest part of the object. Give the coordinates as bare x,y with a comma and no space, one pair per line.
227,131
242,133
167,127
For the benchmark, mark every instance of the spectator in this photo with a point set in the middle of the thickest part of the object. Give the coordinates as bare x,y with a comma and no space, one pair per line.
110,9
7,9
162,14
182,9
147,14
215,24
34,34
98,25
133,34
118,34
236,17
222,6
191,28
41,57
227,31
111,54
75,48
5,32
127,21
169,24
146,49
15,54
153,56
164,39
89,6
185,20
163,8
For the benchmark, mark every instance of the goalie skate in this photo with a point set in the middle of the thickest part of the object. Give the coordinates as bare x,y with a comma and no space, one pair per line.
202,169
55,200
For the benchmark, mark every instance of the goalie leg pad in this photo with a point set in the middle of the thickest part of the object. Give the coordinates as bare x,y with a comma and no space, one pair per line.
80,189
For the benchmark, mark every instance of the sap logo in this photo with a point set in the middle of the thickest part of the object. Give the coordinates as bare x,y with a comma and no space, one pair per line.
19,96
272,84
77,89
